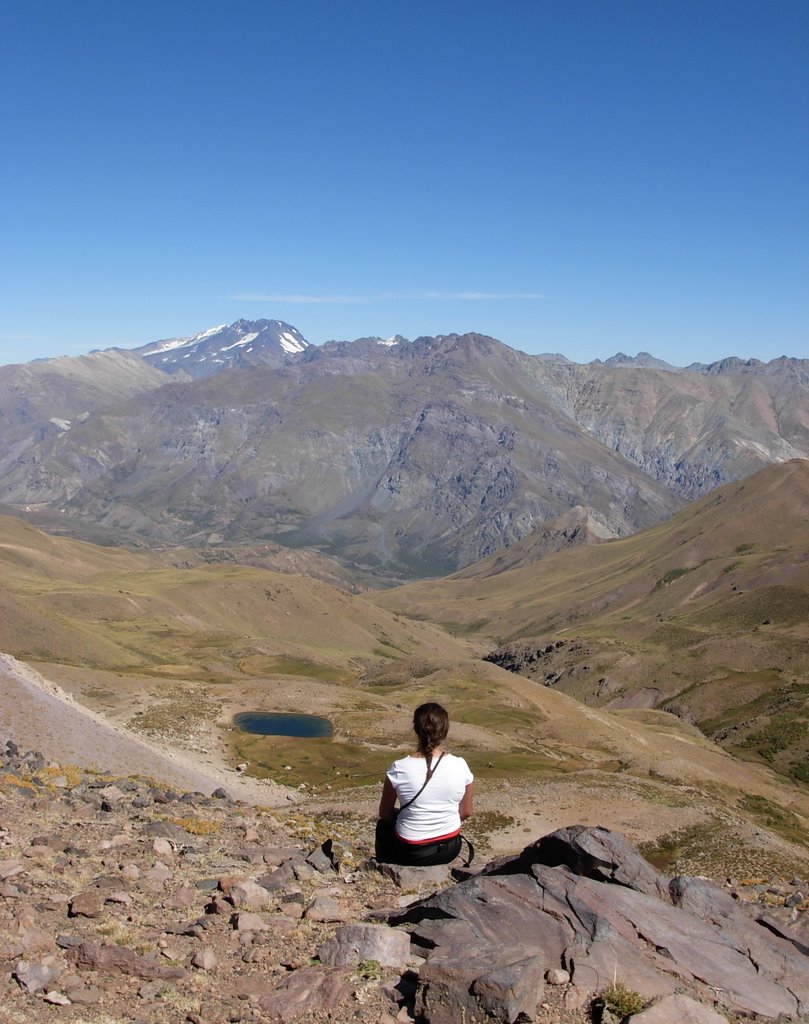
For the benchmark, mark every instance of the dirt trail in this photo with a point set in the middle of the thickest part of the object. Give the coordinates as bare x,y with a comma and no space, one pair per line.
38,715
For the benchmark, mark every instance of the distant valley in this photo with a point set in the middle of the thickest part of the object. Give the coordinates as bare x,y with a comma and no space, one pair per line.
167,651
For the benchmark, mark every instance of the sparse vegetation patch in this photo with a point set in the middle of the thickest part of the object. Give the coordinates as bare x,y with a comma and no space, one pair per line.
779,819
782,732
669,577
180,716
484,824
620,1000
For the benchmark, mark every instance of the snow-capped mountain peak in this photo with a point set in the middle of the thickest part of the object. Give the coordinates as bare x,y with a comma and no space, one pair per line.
243,343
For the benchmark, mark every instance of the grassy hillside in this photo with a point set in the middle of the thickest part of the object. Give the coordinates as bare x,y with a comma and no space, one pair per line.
67,601
706,615
173,653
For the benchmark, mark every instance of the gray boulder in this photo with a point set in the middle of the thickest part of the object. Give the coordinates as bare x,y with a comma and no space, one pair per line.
354,943
34,977
598,910
303,991
412,878
677,1009
247,895
109,958
477,988
593,852
790,924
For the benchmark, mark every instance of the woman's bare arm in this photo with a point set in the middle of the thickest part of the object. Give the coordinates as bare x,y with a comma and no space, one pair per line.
387,801
465,806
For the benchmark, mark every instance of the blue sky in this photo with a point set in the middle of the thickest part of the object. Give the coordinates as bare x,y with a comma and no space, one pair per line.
579,177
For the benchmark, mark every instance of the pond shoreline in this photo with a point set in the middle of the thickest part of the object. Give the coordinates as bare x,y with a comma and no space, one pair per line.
283,723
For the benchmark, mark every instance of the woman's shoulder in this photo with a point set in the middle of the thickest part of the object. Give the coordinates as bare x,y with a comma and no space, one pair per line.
458,763
401,764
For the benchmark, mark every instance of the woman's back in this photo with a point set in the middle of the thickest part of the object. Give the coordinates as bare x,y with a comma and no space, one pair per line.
435,812
434,793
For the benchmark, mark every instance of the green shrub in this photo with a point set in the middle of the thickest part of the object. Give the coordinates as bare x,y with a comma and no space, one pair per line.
670,577
622,1001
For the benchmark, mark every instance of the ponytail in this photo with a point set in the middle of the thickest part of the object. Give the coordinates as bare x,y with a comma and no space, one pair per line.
431,725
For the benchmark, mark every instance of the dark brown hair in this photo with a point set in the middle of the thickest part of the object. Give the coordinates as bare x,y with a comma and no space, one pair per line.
431,723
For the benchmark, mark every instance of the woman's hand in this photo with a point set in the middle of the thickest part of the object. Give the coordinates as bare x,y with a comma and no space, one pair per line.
465,806
387,801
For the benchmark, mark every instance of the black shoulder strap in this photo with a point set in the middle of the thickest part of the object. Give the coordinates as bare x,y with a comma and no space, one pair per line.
430,773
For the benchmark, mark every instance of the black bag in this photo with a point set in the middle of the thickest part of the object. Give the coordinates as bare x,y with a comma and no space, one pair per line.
386,842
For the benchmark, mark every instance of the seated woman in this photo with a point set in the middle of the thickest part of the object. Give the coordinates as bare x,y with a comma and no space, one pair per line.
434,791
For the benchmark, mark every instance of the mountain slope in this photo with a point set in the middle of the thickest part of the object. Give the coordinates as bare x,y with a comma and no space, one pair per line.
46,397
690,429
579,526
404,458
75,603
38,711
706,615
415,458
173,654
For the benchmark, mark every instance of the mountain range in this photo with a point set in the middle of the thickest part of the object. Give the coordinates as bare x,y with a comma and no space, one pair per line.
403,458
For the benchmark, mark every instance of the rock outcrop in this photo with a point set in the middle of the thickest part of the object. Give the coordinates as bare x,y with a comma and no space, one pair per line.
583,900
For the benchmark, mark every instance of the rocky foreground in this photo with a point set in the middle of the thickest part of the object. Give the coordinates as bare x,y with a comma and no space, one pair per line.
121,901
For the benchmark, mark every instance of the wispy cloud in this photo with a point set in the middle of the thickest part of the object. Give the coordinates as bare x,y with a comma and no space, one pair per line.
477,296
20,337
319,300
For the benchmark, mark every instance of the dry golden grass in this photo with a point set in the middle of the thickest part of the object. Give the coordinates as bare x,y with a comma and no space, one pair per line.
708,611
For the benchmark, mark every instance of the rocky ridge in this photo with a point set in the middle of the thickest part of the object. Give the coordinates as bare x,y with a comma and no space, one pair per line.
121,900
416,457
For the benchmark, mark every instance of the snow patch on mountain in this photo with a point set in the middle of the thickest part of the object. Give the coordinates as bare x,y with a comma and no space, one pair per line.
175,343
289,343
242,341
239,345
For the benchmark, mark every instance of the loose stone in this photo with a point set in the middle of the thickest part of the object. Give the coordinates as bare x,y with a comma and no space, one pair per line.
56,998
86,904
204,959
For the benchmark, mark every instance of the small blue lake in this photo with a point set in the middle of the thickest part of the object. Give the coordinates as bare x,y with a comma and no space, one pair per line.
278,723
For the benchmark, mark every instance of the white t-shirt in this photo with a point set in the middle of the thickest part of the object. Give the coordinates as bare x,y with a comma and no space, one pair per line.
434,815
